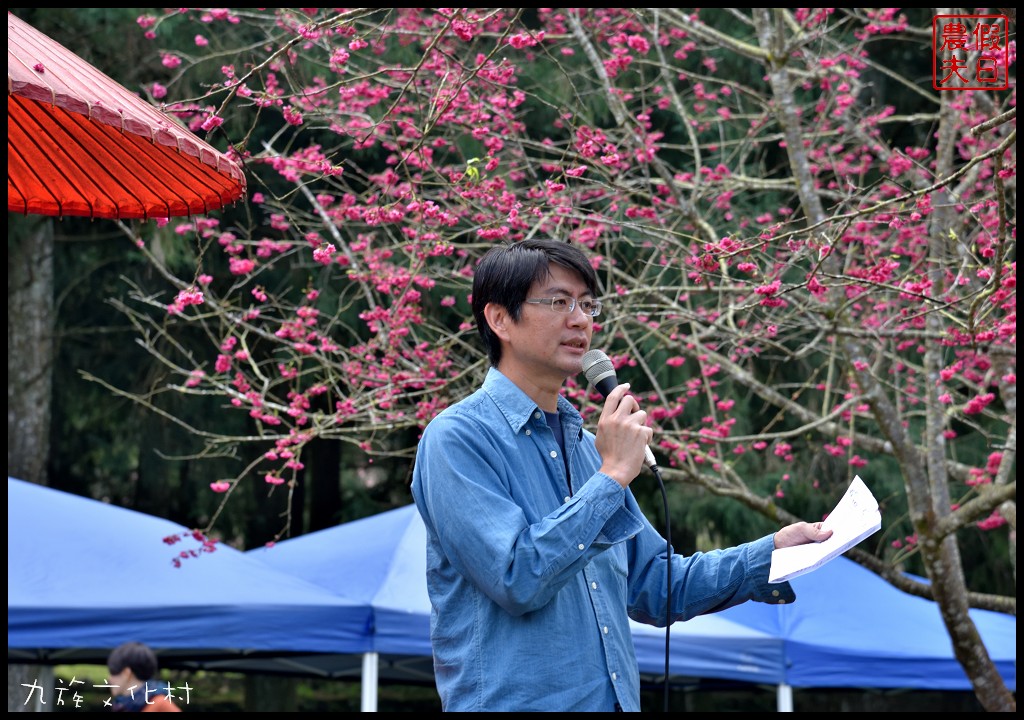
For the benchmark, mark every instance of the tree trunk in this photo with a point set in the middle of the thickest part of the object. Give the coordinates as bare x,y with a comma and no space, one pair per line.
29,376
29,346
269,693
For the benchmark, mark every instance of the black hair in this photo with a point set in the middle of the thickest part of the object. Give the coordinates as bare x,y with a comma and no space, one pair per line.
506,273
135,656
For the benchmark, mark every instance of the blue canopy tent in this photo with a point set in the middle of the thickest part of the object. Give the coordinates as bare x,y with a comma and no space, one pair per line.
351,602
850,628
84,576
381,561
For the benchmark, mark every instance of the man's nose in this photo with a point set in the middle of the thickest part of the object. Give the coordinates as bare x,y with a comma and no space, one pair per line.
577,316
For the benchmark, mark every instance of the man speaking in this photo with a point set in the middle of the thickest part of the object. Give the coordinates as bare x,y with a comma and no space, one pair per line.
537,552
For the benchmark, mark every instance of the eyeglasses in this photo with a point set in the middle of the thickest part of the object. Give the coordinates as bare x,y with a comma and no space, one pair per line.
565,304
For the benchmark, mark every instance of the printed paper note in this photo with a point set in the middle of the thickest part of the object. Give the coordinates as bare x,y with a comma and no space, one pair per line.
854,518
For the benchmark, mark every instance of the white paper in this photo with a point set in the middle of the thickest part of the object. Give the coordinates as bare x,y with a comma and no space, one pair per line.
854,518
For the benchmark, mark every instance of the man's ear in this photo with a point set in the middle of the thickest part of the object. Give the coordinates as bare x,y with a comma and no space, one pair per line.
498,319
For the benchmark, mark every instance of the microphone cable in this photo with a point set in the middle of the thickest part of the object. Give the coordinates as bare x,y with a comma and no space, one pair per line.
600,372
668,580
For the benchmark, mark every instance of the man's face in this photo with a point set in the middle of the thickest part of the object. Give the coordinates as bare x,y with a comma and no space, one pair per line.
545,346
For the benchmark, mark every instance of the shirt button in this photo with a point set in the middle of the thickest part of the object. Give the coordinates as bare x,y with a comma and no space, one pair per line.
605,629
775,593
528,432
593,585
580,546
567,498
537,415
615,676
782,602
554,454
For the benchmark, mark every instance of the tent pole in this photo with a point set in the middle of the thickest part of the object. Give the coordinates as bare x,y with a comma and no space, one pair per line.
785,698
369,702
45,701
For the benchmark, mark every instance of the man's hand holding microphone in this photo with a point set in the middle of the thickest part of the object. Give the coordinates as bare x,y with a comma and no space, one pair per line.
623,438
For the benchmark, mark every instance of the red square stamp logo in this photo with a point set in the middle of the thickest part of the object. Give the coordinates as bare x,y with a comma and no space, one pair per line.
971,52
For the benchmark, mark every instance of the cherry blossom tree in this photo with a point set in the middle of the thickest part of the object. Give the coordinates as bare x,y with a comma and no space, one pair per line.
807,247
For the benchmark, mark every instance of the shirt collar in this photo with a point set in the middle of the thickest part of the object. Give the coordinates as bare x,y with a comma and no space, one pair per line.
516,405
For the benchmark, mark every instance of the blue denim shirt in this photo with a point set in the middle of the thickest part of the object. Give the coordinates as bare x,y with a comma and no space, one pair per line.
530,581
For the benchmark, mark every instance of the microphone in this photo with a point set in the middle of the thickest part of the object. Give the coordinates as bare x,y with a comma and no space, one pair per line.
601,374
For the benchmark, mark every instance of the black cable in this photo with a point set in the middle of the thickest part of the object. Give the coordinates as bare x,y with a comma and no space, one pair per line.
668,577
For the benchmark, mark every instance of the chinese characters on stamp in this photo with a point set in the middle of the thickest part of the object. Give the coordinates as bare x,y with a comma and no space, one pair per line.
971,52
